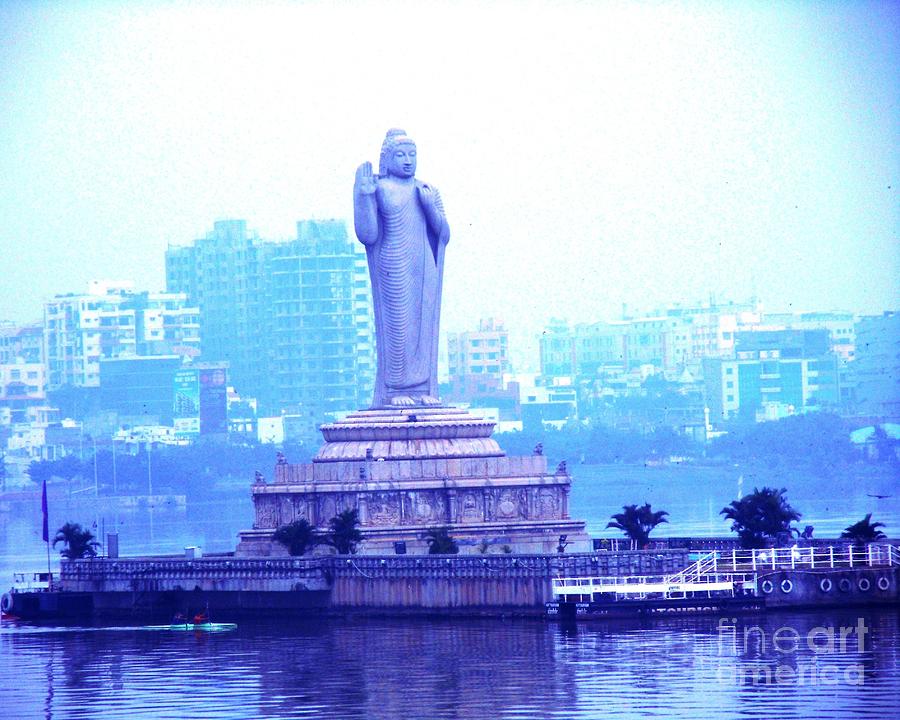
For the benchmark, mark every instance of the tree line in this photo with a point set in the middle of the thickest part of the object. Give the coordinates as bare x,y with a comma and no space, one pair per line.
763,518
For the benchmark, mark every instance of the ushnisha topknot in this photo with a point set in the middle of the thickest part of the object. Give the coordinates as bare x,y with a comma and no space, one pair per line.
393,138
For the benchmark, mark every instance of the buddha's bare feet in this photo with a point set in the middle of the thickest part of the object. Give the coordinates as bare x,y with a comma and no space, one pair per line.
429,400
402,401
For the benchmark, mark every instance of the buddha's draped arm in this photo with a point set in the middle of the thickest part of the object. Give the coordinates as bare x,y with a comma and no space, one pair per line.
437,220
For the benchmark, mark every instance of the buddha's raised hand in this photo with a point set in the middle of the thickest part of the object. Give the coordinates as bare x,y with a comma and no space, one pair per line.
365,180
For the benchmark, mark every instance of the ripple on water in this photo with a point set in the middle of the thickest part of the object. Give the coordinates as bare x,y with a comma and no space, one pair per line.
453,669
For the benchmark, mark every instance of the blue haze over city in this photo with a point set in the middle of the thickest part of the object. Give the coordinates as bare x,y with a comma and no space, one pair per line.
672,269
590,154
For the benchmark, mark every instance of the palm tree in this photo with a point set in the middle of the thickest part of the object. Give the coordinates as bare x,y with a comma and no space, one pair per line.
298,537
637,522
761,516
440,542
344,534
864,531
77,542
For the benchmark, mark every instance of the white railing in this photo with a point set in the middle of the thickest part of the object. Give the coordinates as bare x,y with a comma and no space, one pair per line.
893,555
820,557
730,572
705,565
642,585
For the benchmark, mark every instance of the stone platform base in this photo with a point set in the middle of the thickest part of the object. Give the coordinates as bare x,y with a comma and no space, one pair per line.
407,470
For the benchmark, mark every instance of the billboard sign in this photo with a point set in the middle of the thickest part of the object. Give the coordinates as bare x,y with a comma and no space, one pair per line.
187,402
213,400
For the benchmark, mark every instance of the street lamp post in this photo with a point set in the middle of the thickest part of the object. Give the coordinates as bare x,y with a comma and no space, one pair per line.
115,479
149,472
96,484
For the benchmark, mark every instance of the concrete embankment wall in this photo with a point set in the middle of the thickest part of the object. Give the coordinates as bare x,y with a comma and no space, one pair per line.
422,583
396,582
210,574
472,582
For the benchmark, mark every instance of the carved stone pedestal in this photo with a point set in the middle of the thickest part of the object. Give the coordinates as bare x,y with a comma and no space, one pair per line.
410,470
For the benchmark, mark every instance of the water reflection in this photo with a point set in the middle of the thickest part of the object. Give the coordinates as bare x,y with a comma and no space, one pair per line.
413,668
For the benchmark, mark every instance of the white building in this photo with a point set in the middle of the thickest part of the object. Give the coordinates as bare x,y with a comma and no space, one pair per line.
110,320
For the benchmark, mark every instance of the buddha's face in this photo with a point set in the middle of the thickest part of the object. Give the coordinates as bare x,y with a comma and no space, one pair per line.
402,162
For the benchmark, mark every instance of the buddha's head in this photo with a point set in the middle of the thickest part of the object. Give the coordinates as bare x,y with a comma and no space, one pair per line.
398,155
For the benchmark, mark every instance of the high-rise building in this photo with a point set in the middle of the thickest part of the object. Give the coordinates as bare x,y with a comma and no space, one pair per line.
23,389
322,337
293,319
477,361
875,371
21,343
111,320
772,374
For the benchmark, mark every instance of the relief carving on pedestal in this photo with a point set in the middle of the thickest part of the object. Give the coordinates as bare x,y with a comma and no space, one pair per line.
327,510
548,504
384,509
428,507
469,509
299,509
265,513
511,504
286,507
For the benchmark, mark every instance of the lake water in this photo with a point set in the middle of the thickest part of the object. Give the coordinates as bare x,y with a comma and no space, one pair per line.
416,668
469,669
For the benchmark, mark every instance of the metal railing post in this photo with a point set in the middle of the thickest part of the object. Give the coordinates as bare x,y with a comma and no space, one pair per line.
831,556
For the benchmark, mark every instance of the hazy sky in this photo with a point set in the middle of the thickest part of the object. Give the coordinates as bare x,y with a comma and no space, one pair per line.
589,154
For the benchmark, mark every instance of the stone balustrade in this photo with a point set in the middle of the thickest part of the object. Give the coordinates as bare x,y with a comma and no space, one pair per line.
420,469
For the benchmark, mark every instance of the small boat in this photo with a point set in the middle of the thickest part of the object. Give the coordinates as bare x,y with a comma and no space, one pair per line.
189,626
201,627
200,622
25,585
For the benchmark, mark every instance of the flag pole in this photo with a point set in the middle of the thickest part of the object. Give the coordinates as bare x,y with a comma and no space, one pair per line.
46,532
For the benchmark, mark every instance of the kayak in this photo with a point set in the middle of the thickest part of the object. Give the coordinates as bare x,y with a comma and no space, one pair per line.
201,627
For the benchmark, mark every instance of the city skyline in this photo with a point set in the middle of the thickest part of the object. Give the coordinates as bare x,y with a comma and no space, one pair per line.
674,152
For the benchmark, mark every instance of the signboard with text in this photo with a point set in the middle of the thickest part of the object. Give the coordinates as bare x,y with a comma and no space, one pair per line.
187,402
